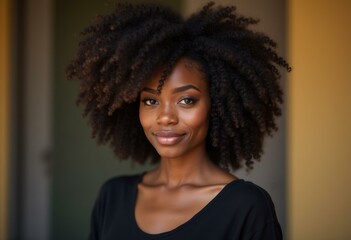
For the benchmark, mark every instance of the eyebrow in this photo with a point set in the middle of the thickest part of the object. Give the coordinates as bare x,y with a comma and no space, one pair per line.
176,90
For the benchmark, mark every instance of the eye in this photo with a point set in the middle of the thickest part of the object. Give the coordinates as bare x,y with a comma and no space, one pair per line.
188,101
149,102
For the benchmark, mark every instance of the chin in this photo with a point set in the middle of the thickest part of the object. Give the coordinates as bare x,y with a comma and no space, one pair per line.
172,151
169,154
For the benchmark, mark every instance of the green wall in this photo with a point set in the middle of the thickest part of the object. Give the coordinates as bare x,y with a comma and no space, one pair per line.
79,167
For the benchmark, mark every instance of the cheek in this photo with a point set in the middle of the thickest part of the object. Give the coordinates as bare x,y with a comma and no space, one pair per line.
197,120
144,118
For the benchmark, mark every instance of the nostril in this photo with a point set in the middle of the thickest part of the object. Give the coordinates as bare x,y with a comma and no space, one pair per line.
167,118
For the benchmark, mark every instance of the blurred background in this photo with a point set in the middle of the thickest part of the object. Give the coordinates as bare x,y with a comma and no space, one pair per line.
51,169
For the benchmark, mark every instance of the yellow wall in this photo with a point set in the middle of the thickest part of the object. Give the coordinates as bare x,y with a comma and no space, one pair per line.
4,123
319,120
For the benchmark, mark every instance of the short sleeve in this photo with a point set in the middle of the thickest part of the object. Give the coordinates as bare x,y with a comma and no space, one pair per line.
97,215
270,231
110,208
258,211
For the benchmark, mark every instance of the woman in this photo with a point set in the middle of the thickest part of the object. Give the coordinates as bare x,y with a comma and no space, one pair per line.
196,96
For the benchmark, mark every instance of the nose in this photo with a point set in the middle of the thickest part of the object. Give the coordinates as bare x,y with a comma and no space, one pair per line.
167,115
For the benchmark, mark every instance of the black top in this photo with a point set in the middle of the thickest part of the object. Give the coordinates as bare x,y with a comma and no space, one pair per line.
240,211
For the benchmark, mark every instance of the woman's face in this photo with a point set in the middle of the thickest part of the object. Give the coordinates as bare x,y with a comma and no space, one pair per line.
176,121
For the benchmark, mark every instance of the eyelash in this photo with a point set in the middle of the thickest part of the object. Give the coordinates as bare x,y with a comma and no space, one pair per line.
146,101
191,99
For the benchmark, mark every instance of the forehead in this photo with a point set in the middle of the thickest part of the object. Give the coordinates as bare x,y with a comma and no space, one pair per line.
185,72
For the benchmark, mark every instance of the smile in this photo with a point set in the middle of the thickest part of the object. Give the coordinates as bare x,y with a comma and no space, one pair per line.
168,137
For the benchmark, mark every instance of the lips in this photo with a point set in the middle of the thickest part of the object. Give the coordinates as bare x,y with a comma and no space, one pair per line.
168,137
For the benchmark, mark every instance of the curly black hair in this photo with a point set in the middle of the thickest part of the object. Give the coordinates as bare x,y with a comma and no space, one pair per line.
120,51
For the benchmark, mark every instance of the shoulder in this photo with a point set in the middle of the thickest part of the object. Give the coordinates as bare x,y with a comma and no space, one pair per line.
119,185
255,207
122,180
247,190
114,195
250,197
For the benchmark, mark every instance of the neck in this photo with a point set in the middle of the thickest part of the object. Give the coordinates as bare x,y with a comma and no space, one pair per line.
190,169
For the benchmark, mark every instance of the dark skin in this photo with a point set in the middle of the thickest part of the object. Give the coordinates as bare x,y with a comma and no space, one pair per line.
176,124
